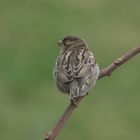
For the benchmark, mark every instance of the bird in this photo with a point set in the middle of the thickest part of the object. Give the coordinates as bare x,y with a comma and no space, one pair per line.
76,71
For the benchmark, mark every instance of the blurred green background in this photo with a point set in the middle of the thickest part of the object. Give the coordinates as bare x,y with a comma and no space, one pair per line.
30,104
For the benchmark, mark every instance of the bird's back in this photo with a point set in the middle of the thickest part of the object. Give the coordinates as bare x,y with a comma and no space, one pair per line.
76,71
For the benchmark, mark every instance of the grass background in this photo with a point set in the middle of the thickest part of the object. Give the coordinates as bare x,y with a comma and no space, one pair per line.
29,102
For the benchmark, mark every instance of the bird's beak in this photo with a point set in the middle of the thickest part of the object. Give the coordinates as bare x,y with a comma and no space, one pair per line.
59,42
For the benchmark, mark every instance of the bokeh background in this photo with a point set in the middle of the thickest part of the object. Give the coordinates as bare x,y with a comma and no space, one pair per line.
30,104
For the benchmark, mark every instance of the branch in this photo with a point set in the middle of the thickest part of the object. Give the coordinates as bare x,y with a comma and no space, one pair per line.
118,62
104,72
52,134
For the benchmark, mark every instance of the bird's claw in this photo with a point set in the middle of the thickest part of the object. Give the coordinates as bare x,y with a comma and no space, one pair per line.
73,101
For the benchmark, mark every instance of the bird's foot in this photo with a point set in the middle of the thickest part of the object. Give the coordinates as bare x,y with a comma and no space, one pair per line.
73,101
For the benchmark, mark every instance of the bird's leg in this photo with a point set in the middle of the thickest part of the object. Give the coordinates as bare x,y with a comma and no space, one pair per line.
73,101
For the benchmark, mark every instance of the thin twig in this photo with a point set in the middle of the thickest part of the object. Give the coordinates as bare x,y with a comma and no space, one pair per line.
52,134
104,72
118,62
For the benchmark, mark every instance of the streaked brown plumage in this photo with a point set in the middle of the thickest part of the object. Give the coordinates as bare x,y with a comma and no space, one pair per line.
76,70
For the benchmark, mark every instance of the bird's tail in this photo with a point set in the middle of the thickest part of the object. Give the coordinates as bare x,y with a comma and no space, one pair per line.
74,90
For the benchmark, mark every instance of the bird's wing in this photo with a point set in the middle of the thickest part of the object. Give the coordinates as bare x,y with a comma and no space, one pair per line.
83,61
63,70
85,72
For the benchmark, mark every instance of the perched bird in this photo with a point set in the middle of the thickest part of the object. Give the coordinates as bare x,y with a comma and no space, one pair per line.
76,70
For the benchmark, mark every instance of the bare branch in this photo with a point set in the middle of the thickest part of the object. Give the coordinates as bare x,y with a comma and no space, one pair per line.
118,62
104,72
52,134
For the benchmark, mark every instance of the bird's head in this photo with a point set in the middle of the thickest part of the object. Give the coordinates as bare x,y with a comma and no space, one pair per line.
71,41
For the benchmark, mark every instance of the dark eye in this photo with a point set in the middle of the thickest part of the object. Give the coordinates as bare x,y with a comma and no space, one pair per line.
67,43
64,43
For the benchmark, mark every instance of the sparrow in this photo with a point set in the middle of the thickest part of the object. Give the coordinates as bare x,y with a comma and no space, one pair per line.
75,71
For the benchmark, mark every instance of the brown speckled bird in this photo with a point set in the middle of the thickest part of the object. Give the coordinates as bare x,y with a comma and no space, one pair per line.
76,70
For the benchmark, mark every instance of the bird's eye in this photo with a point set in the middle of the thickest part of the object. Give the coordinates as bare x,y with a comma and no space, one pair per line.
64,43
67,43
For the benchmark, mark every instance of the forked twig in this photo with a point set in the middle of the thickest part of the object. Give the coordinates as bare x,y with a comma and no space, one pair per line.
104,72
